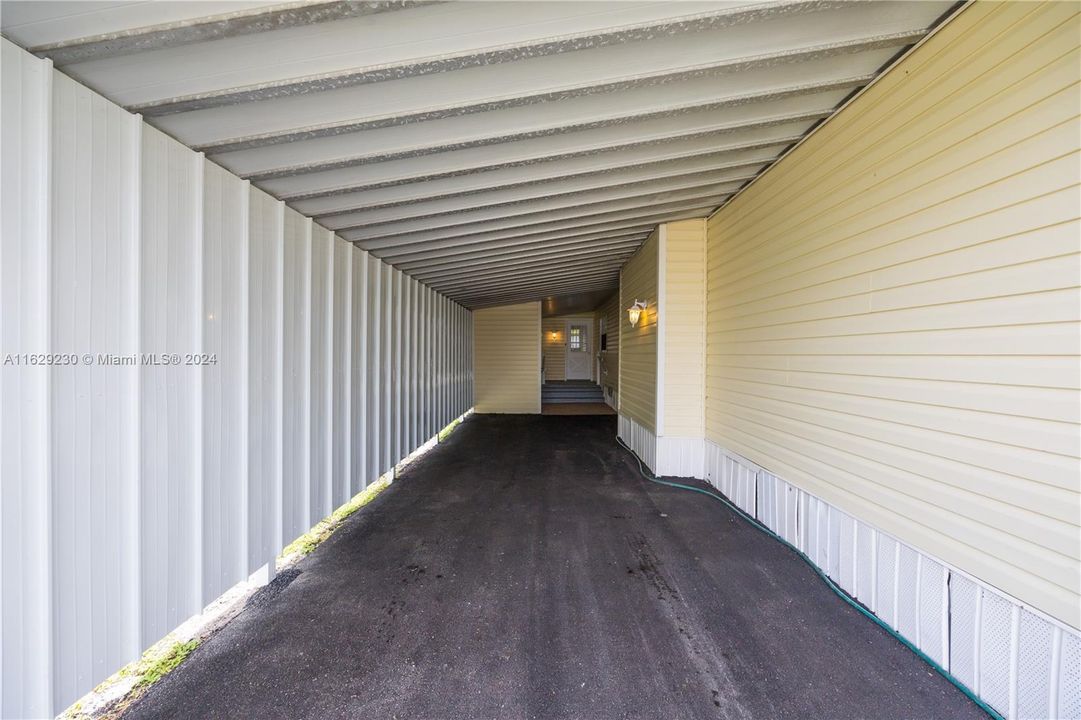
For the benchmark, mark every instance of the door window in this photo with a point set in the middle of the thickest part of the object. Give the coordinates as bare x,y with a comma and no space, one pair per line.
575,341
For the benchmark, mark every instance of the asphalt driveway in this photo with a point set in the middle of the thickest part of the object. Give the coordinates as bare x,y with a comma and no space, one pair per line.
524,569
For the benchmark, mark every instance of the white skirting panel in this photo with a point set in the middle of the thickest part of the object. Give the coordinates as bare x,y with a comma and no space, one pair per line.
639,439
1021,662
733,476
681,457
197,375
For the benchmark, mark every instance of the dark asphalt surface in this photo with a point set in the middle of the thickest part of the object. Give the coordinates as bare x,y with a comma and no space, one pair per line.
524,569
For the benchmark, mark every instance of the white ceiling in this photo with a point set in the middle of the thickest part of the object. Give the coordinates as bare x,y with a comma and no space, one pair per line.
497,151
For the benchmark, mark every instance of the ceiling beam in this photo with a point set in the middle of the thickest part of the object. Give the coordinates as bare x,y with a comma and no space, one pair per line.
559,205
452,255
522,257
592,150
211,27
525,48
535,296
539,291
528,83
546,270
549,284
659,159
547,186
816,88
568,217
505,239
547,196
596,258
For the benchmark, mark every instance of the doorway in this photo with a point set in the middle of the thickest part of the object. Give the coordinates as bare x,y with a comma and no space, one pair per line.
578,358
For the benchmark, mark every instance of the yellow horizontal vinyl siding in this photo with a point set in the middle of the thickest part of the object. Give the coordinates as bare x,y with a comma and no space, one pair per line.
638,345
610,311
596,349
684,328
554,348
893,308
506,359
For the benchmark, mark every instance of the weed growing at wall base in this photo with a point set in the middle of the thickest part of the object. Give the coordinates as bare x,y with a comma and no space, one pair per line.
310,540
175,655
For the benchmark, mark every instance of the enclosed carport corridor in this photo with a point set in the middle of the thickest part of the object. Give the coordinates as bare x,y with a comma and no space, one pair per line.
540,359
524,569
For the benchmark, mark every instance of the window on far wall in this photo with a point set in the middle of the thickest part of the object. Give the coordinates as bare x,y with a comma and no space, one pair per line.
576,338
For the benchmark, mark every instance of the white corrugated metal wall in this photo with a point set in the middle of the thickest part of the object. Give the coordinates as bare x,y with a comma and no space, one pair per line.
134,494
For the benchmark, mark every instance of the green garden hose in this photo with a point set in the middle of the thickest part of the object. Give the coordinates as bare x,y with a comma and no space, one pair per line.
825,578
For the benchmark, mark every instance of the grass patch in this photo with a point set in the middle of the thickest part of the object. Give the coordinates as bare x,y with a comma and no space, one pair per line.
117,693
445,432
160,667
310,540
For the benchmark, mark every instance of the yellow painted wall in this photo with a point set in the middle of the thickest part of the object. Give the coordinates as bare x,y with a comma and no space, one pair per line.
684,328
638,345
893,308
506,359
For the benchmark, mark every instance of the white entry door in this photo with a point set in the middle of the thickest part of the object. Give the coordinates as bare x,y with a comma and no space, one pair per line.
579,354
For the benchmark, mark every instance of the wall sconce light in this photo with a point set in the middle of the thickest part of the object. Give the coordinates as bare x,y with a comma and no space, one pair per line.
635,311
554,334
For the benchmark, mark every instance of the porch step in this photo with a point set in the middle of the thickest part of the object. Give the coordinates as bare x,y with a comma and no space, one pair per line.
571,392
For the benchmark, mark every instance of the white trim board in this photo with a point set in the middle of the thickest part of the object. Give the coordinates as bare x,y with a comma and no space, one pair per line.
662,322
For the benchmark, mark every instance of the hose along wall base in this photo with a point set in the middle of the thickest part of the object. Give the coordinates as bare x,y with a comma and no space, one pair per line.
837,590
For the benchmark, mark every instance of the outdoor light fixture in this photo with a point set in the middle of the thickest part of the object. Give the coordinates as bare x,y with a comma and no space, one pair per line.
635,311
